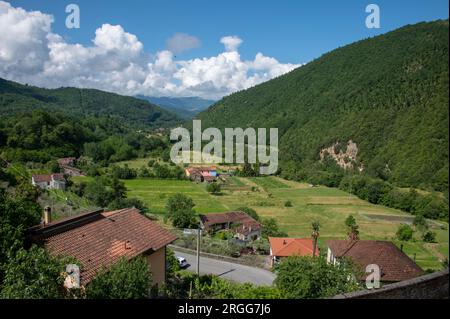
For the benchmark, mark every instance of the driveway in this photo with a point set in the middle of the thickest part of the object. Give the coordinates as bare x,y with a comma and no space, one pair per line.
227,270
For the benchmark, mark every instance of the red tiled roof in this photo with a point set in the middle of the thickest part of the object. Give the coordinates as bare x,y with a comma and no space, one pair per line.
58,177
66,160
201,169
394,264
284,247
105,238
70,168
40,178
230,217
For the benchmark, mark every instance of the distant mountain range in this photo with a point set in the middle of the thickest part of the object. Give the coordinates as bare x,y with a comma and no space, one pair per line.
184,107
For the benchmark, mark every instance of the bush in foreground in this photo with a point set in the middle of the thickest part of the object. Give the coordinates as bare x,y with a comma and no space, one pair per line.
125,280
306,277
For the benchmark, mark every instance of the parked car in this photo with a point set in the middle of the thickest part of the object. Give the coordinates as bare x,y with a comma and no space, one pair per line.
182,262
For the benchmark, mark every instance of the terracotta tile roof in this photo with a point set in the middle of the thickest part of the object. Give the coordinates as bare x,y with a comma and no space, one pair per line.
66,161
201,169
40,178
58,177
284,247
394,264
100,239
230,217
70,168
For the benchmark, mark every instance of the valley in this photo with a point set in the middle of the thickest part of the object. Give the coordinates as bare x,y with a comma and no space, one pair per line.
353,175
327,205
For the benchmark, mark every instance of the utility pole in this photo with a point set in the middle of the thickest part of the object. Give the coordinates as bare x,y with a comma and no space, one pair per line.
199,234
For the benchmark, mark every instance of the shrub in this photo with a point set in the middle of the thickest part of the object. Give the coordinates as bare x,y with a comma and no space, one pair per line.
404,232
123,172
270,228
420,222
213,188
429,237
288,204
306,277
144,172
125,280
151,163
33,274
180,210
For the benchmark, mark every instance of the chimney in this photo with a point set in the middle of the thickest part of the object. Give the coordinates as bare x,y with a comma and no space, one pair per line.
47,215
127,244
284,242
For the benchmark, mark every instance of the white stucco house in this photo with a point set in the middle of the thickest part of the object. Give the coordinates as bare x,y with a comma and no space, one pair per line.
49,181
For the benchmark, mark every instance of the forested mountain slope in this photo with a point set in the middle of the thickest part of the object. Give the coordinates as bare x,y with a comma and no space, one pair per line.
16,98
387,94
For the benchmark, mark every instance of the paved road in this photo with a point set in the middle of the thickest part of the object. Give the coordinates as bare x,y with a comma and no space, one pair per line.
231,271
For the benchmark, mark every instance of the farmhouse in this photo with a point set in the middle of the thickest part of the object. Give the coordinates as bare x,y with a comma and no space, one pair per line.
49,181
285,247
245,227
394,264
202,174
66,161
71,171
100,239
67,165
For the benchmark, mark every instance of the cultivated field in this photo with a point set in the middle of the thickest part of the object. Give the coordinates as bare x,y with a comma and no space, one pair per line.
329,206
154,193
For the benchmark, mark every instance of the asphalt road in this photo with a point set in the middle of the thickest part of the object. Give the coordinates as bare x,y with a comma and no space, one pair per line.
231,271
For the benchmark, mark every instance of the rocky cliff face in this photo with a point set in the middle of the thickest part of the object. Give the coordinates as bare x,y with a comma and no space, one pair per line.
344,154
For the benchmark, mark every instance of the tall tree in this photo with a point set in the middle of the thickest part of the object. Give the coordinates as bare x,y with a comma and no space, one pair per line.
315,227
352,228
180,210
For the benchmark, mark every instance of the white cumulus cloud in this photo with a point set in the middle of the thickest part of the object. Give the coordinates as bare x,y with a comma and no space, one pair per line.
23,39
231,42
114,38
31,53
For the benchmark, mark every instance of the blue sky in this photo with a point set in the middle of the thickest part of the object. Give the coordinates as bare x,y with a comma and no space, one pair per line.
122,46
291,30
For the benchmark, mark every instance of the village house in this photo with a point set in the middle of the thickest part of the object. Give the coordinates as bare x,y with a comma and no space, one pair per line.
71,171
394,264
67,161
67,165
244,227
281,247
202,174
100,239
49,181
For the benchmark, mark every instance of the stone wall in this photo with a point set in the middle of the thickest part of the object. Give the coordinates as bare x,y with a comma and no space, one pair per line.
431,286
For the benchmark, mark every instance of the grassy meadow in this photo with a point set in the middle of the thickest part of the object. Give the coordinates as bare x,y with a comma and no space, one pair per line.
329,206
